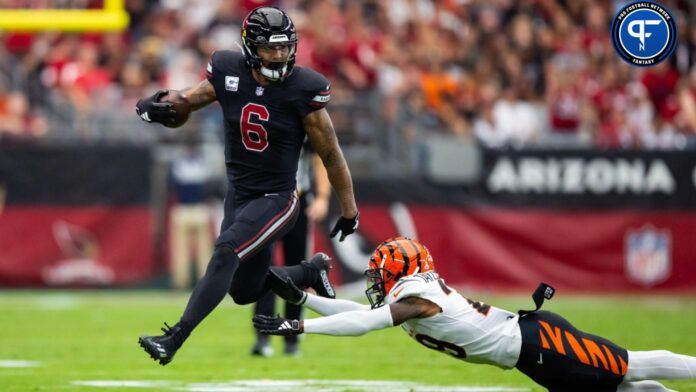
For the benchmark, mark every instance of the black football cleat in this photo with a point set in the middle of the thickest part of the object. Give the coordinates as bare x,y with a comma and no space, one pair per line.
320,263
162,348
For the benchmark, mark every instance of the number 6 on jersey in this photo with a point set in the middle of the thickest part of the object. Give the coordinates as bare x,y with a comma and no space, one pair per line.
254,135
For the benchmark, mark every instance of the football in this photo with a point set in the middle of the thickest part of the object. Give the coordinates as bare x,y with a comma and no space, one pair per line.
181,105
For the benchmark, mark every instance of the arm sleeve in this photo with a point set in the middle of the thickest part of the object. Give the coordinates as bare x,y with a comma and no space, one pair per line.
353,323
209,68
328,306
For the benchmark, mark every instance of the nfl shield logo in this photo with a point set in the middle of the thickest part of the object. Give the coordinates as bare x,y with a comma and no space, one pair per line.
648,256
259,91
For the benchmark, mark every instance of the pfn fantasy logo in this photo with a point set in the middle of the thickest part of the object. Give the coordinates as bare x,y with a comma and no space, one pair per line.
644,33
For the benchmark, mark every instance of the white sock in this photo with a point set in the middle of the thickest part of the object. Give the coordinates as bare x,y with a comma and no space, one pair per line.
643,386
659,365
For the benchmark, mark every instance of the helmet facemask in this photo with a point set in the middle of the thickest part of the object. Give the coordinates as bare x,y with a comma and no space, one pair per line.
276,71
377,280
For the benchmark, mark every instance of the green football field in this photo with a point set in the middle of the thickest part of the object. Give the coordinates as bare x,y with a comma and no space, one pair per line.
87,341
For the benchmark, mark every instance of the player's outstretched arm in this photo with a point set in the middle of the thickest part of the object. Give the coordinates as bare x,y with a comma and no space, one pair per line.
322,135
287,290
411,308
329,306
201,95
353,323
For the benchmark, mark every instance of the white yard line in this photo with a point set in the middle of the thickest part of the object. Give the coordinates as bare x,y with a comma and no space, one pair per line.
293,385
58,302
14,363
125,384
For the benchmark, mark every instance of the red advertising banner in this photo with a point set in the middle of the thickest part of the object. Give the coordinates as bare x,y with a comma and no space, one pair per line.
504,248
75,245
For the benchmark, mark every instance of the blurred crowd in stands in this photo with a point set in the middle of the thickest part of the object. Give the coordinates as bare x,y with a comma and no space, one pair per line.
507,73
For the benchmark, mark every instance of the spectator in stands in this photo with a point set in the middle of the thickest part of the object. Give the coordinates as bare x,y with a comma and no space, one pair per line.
687,102
17,121
551,61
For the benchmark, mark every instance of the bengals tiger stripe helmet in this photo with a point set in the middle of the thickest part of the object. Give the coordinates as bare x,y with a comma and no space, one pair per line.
392,260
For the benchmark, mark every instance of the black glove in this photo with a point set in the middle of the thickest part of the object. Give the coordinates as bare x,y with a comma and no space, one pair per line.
151,110
345,226
286,289
269,325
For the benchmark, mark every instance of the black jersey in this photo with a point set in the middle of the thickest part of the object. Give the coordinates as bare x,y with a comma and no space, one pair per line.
263,124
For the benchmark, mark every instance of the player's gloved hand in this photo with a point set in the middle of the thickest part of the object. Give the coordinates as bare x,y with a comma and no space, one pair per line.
287,289
151,110
269,325
346,226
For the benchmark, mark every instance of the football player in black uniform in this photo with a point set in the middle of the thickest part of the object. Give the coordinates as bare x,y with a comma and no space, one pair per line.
269,106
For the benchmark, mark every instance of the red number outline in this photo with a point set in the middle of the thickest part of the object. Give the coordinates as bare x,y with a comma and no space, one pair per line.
247,127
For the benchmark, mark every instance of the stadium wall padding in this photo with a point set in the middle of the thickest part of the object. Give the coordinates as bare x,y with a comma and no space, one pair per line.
75,216
514,249
579,220
585,220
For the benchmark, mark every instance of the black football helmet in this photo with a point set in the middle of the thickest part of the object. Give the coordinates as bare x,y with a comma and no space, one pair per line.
269,26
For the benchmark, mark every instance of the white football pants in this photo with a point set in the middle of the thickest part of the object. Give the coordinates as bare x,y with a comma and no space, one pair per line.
645,366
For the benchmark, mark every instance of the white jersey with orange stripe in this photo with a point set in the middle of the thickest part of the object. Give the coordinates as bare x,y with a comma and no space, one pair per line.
465,329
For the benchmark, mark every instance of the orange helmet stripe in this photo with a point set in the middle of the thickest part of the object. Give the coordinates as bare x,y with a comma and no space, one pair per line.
417,254
404,257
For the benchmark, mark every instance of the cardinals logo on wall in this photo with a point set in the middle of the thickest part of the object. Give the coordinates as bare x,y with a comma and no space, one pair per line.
648,258
80,264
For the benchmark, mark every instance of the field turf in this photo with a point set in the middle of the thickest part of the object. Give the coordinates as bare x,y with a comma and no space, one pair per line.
87,341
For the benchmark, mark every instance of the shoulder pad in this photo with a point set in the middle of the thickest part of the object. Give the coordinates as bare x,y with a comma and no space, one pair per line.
407,287
225,61
311,80
425,285
314,88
